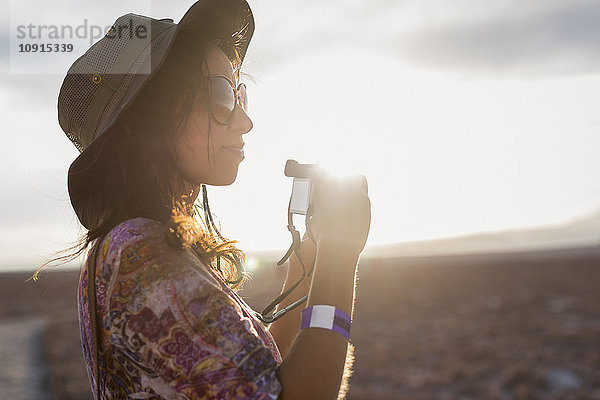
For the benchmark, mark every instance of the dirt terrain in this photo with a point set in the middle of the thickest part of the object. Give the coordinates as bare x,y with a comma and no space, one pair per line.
505,326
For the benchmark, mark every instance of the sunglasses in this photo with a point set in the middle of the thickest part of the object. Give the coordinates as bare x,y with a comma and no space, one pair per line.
223,97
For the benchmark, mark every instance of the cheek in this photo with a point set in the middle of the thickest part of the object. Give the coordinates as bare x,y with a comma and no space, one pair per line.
193,151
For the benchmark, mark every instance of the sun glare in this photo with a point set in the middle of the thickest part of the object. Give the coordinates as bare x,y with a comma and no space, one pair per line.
252,264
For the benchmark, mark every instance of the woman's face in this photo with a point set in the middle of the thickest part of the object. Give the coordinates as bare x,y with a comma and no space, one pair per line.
213,159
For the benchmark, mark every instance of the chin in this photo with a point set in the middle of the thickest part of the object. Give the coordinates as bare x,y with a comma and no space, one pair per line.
225,182
223,179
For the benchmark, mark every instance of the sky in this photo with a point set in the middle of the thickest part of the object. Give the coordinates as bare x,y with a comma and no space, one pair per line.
465,116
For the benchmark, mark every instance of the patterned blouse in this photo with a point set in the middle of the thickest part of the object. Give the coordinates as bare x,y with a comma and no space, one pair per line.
169,327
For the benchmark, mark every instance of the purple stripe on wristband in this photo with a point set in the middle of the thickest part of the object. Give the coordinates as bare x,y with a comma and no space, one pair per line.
306,314
342,315
342,323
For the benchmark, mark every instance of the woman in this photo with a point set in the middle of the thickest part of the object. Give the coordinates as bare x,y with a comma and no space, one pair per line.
158,112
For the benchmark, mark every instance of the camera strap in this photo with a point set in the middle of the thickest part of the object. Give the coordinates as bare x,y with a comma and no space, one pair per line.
264,317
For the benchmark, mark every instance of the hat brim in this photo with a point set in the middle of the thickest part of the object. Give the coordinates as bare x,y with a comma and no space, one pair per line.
223,19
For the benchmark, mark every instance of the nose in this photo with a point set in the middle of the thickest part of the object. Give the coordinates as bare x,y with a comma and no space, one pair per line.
241,122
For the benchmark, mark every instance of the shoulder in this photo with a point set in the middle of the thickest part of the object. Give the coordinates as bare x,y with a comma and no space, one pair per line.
138,243
133,230
132,243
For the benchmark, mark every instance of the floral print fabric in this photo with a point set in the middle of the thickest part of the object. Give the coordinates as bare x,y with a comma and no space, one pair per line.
169,327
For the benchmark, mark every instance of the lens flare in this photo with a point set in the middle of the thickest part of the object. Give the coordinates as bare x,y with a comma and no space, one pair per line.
252,264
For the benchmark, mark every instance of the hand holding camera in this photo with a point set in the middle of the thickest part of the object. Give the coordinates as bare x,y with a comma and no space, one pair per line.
341,212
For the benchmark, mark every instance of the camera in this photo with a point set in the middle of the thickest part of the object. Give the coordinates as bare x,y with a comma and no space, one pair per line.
302,174
301,187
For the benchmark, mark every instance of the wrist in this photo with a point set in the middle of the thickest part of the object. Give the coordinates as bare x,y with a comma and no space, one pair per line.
342,251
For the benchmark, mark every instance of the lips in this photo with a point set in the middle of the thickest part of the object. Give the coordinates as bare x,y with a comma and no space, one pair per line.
236,149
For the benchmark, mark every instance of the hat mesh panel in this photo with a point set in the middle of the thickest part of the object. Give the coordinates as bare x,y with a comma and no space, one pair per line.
111,108
79,90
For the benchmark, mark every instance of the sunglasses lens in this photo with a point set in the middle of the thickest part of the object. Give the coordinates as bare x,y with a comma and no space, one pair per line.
243,97
222,99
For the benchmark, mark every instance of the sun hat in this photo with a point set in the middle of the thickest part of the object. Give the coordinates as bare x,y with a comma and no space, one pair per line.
107,78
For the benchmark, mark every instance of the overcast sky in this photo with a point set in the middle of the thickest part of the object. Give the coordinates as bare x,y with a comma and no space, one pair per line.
466,116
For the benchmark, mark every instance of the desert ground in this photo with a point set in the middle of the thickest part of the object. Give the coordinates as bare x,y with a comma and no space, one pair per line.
496,326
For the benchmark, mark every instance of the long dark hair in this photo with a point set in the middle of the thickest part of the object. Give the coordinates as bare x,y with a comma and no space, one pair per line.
136,174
